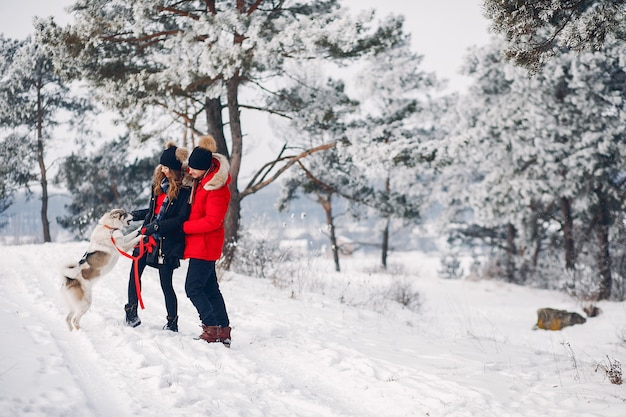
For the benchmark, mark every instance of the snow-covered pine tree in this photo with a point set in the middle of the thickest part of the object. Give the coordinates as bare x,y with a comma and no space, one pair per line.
318,114
582,99
155,52
538,30
102,180
481,172
32,98
15,169
391,144
547,152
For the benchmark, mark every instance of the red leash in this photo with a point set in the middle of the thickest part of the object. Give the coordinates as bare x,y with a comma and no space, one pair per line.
143,246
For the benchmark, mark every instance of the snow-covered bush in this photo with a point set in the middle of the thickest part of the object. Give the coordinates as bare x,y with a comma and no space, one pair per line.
258,251
402,291
450,266
613,370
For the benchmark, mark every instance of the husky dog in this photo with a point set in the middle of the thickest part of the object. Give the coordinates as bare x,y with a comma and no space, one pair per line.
101,256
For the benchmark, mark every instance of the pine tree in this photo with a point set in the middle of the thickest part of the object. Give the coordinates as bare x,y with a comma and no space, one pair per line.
15,172
318,116
32,96
545,149
538,30
391,144
173,55
375,169
104,180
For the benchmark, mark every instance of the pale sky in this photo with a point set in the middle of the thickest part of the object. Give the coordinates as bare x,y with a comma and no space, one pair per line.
16,16
441,30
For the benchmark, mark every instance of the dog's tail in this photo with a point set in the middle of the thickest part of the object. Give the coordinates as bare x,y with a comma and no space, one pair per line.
73,270
70,272
70,282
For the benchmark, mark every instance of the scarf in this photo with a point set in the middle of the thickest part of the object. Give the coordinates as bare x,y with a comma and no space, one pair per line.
165,185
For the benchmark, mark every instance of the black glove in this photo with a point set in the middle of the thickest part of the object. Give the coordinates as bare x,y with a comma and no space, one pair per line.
150,229
139,214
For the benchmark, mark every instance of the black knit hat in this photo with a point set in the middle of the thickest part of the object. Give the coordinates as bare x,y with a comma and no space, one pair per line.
201,157
173,157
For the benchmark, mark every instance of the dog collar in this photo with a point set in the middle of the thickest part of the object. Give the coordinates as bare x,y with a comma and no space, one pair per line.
110,228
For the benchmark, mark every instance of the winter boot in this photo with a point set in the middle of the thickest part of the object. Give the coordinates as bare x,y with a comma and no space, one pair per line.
172,324
224,335
209,333
132,319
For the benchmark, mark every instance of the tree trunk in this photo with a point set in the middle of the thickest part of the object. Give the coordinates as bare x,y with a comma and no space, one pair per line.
511,252
536,238
42,168
532,244
44,193
604,256
233,216
215,123
385,244
326,203
568,233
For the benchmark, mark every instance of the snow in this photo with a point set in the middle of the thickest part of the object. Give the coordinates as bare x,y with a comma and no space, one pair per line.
322,344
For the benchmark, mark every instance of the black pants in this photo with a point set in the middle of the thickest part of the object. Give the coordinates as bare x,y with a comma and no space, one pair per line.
204,292
165,274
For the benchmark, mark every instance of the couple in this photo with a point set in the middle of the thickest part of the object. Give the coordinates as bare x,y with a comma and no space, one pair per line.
187,223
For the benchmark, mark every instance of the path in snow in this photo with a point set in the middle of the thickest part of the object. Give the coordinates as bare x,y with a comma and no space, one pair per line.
310,355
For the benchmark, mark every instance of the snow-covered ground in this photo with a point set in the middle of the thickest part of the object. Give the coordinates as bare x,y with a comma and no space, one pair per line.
315,343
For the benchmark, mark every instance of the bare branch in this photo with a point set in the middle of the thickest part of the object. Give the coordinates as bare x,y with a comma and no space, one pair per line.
292,160
178,12
267,168
270,111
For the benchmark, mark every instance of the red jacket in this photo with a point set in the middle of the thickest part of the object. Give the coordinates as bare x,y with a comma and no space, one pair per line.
204,230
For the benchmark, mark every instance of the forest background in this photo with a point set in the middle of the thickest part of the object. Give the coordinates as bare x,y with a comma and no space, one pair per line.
522,169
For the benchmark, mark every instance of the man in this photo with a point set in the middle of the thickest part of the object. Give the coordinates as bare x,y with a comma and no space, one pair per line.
204,238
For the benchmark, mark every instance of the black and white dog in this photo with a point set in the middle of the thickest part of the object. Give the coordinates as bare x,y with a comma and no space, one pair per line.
101,256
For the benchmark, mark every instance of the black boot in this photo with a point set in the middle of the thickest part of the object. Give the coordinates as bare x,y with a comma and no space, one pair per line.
132,319
172,324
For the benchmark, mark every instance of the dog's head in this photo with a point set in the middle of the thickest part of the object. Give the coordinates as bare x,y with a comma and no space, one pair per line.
116,219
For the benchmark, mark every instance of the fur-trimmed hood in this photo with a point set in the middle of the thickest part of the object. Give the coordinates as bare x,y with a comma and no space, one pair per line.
187,180
221,176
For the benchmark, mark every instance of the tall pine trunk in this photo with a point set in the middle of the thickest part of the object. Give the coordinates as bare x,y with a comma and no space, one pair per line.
42,167
568,233
534,236
603,221
385,244
233,216
215,124
511,252
327,205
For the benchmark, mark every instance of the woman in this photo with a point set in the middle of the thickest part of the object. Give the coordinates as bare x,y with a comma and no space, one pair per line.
205,237
169,208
